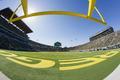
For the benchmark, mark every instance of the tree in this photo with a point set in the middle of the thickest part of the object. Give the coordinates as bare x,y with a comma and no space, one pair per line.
57,44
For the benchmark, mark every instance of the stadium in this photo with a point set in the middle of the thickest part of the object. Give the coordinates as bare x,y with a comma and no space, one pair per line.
25,59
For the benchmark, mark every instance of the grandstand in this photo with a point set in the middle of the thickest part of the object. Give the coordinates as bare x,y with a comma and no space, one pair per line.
104,32
107,39
13,36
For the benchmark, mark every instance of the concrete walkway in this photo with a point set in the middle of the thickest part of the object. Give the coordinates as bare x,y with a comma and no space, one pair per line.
115,75
3,77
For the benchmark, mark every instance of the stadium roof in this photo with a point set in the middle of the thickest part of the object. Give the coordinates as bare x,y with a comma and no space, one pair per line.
7,13
105,29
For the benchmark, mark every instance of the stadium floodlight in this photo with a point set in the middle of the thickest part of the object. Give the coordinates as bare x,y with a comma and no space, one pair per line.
91,8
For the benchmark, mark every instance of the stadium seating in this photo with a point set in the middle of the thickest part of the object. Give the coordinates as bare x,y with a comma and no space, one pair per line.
13,36
110,41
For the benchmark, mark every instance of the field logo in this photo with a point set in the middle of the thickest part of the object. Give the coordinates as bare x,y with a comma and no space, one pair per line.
28,61
74,64
91,8
64,65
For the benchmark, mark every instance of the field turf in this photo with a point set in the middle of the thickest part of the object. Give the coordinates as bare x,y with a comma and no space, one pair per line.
20,65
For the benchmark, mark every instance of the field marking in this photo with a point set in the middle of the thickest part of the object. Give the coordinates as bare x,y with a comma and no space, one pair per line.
69,60
115,75
2,51
8,54
67,64
3,77
73,62
95,60
43,63
109,54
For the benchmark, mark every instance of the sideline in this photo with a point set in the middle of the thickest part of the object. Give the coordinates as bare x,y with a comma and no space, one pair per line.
115,75
3,77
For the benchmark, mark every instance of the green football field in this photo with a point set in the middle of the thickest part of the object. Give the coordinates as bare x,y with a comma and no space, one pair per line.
19,65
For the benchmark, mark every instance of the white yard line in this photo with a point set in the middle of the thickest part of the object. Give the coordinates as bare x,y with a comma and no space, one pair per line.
3,77
115,75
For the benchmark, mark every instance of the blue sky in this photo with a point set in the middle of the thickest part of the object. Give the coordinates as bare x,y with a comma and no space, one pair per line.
69,30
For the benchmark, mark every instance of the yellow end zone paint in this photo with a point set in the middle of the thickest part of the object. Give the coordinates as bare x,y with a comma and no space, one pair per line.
42,63
70,64
79,66
20,60
95,60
